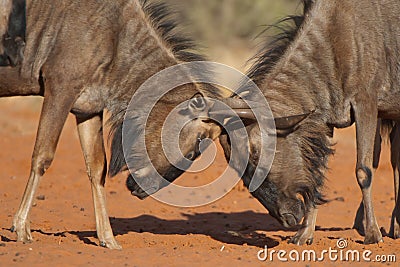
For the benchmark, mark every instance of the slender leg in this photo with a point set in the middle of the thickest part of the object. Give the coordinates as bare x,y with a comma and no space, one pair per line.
366,120
360,220
306,233
54,113
91,137
395,151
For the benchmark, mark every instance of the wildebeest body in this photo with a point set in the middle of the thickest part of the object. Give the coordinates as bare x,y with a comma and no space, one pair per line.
339,65
89,56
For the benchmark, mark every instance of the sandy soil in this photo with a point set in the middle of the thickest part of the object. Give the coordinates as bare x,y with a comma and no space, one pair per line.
229,232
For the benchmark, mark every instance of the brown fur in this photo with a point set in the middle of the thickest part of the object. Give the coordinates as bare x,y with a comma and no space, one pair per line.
89,56
340,65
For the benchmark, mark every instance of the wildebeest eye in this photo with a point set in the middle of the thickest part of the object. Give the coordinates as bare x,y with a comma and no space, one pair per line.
191,155
208,121
197,104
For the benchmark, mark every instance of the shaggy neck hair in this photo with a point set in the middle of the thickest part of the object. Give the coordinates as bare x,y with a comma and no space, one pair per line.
316,148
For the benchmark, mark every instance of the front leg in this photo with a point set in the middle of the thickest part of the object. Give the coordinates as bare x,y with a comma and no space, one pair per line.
54,113
305,235
366,113
91,137
360,221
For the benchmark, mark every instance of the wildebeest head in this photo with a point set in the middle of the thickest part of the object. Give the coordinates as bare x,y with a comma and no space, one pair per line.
173,137
173,141
295,180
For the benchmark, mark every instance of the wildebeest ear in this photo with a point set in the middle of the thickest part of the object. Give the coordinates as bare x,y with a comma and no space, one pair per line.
288,124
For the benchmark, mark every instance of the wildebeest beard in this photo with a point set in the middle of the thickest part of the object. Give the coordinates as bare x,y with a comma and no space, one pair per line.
130,147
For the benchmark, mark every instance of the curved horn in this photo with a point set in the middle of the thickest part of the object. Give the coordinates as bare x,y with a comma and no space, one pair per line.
235,103
286,123
241,108
245,114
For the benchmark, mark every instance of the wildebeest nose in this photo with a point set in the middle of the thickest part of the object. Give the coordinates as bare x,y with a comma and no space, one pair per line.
141,194
135,189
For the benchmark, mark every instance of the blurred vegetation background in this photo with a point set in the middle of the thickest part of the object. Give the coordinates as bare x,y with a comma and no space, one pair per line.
228,28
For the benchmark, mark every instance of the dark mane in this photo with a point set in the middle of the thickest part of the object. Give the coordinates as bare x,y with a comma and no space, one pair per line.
316,148
270,53
164,22
183,48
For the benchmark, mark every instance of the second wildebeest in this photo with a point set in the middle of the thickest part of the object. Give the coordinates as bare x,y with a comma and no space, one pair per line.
338,65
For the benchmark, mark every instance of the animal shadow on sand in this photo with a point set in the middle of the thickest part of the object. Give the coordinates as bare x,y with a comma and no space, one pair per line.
236,228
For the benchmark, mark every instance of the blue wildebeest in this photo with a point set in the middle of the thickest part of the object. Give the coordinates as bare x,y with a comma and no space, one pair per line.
338,65
89,56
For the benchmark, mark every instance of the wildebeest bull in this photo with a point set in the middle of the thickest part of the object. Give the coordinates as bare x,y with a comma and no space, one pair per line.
89,56
339,65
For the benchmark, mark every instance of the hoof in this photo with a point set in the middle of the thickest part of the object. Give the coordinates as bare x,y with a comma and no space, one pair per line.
301,239
395,231
374,238
112,244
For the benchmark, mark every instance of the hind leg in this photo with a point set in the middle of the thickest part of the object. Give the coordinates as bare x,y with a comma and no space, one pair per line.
306,233
395,156
91,137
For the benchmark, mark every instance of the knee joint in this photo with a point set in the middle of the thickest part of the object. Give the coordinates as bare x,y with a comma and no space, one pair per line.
42,166
364,177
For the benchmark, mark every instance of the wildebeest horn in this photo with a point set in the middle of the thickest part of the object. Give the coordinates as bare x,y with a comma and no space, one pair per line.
235,103
287,123
239,106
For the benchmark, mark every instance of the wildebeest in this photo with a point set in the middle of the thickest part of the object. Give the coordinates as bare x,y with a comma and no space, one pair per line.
12,31
337,66
89,56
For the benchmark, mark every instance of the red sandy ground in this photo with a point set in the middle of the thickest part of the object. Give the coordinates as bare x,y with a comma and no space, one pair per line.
229,232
